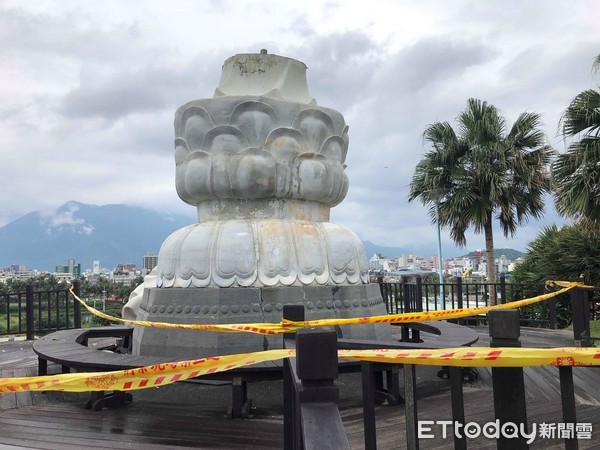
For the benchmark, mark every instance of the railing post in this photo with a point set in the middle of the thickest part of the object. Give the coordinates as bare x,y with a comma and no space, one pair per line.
292,432
418,305
317,368
368,393
30,335
76,307
459,295
405,294
581,317
508,382
567,396
404,333
410,407
552,322
396,291
383,289
458,405
502,288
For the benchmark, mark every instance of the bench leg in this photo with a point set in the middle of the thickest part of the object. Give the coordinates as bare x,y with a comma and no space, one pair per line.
390,394
240,403
467,373
42,367
98,400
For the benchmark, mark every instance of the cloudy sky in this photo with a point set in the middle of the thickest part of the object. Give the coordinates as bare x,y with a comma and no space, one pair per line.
88,90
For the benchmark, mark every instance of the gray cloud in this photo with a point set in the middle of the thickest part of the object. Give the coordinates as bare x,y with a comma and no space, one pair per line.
67,35
87,95
139,89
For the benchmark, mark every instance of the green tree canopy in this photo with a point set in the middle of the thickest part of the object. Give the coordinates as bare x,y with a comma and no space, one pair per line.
576,173
483,171
565,253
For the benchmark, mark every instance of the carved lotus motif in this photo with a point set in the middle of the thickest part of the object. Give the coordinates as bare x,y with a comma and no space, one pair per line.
259,149
261,253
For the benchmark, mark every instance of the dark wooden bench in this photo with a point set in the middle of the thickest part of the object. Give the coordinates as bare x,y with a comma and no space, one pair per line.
69,349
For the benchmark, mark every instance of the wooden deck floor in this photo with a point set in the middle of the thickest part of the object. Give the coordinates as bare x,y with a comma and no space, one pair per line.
191,416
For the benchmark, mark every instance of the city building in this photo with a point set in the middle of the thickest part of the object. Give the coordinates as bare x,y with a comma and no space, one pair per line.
149,262
124,273
16,272
72,269
379,263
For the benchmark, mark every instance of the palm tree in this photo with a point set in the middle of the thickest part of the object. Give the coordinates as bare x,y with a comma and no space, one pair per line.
482,172
576,173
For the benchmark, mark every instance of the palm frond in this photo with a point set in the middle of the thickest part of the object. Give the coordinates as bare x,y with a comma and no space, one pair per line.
480,171
582,115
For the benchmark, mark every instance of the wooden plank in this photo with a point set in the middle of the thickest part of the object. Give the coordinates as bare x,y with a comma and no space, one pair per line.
484,380
65,424
8,400
23,398
588,380
541,385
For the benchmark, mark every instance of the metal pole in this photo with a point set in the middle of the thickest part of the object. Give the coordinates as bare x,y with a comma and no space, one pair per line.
76,308
28,311
440,263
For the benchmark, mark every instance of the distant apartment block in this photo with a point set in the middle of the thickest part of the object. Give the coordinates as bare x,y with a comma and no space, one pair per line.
16,272
69,272
149,262
124,273
379,263
71,268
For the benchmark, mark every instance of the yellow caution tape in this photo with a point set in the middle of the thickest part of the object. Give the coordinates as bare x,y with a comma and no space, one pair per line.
286,326
259,328
163,374
481,356
140,378
443,314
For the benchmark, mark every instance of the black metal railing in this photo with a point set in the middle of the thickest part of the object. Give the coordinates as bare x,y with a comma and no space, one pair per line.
584,307
411,294
39,312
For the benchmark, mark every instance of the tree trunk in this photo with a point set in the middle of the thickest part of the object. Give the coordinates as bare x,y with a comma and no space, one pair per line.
489,257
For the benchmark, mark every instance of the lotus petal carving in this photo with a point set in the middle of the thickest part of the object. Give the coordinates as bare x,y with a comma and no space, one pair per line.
261,253
263,148
196,123
316,126
255,119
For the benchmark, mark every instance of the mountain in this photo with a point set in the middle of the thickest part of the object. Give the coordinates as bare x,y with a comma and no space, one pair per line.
426,252
111,234
114,234
498,252
388,252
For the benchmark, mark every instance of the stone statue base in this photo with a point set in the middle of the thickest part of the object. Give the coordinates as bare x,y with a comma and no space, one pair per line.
248,305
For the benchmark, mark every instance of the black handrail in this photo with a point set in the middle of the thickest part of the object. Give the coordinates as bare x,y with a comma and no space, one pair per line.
411,294
39,312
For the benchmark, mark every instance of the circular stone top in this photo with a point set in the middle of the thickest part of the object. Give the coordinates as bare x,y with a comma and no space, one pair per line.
261,74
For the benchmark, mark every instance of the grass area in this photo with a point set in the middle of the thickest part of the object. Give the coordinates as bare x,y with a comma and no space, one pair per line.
594,328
